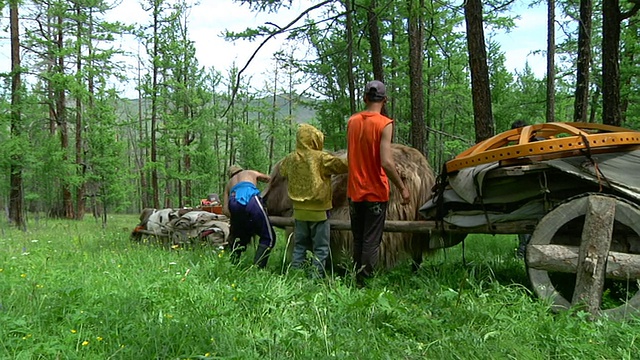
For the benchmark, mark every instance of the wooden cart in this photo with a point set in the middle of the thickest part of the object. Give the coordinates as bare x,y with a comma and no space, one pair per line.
566,183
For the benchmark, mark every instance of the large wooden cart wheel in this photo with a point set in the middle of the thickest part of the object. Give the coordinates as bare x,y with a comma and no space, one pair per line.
586,252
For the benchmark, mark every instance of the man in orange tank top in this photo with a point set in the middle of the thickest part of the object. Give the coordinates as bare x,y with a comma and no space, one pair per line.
371,165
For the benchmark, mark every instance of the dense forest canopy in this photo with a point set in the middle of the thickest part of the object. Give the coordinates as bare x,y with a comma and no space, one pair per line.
73,144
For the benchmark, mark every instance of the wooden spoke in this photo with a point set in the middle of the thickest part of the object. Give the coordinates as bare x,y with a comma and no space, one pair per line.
575,267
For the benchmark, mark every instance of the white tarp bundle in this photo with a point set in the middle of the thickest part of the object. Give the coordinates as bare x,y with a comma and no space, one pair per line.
184,226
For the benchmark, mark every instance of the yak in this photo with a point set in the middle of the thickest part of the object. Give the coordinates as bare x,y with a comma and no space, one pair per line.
418,176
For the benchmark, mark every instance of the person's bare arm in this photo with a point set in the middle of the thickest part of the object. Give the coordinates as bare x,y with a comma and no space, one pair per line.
389,165
225,203
262,177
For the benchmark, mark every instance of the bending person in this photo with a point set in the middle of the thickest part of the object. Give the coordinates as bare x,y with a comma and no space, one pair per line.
244,206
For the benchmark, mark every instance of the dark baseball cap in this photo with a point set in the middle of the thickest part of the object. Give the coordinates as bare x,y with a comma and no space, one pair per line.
375,89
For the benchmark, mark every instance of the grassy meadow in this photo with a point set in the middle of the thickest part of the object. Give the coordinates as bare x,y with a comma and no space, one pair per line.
73,290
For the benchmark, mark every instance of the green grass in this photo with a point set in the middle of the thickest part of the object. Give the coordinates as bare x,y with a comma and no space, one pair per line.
72,290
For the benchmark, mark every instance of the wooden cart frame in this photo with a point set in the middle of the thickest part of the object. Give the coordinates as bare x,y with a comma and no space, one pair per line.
593,237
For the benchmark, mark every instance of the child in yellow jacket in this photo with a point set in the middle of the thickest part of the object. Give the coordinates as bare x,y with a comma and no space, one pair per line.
308,170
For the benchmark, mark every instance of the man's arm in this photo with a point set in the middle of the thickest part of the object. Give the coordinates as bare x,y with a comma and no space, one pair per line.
262,177
388,164
225,203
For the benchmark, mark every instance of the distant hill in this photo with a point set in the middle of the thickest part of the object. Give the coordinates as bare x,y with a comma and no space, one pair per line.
301,112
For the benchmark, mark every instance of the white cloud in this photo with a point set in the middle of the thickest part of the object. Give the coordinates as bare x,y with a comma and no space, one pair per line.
210,18
529,36
207,21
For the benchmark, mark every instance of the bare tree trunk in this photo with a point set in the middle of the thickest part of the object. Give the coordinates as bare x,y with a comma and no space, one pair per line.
389,107
584,62
154,113
16,195
374,40
350,77
610,65
291,136
80,164
274,109
229,136
611,23
551,63
142,155
428,103
53,126
61,112
595,97
230,126
187,111
93,189
630,59
416,85
480,87
187,140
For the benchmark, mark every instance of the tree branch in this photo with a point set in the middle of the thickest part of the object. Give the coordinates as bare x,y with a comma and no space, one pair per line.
634,10
271,35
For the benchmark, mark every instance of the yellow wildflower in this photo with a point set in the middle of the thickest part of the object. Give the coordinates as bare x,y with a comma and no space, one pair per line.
73,331
85,343
99,338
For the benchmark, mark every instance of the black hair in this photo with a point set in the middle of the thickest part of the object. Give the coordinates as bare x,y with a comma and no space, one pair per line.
373,96
518,124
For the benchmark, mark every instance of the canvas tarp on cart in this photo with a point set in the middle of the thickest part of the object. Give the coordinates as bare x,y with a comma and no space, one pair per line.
477,196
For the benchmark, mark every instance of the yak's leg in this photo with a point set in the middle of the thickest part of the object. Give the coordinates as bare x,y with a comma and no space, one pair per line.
416,261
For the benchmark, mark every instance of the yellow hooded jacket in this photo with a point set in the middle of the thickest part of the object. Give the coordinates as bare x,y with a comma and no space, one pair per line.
308,170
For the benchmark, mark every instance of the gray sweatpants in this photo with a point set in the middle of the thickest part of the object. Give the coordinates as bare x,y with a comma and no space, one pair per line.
311,236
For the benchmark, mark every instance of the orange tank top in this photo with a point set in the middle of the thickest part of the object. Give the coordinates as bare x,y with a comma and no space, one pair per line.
367,179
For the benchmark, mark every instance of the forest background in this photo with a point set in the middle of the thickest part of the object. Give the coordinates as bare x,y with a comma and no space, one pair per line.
72,144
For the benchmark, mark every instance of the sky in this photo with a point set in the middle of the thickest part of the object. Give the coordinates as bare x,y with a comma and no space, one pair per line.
207,21
209,18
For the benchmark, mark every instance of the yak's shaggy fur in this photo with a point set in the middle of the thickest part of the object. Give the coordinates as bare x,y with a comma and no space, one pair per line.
418,176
